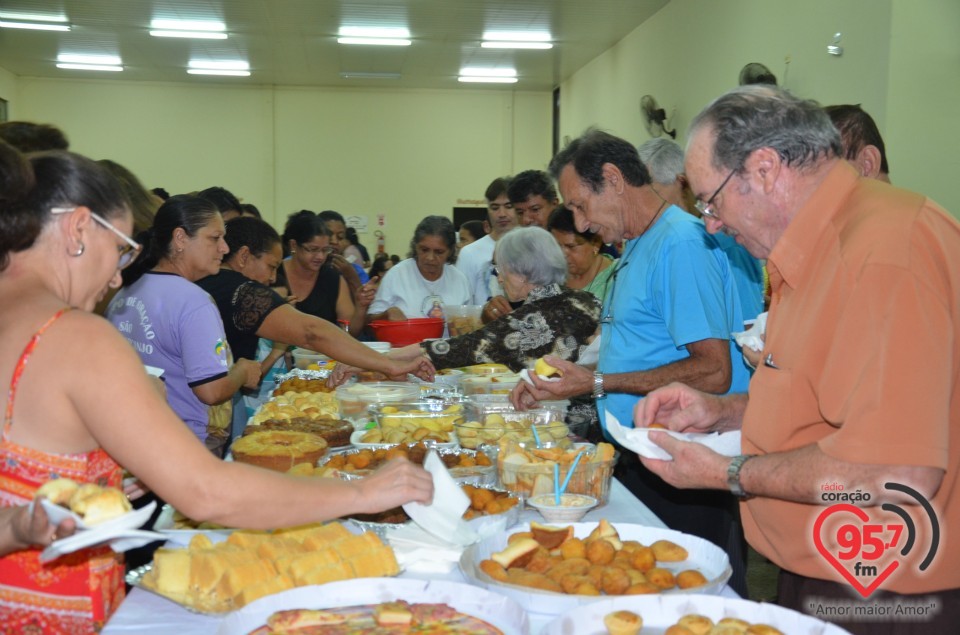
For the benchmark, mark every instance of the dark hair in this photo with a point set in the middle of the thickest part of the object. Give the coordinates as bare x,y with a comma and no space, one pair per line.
142,205
190,213
301,228
497,188
561,220
162,193
378,268
253,233
435,226
250,209
474,228
531,183
31,186
222,198
760,116
589,152
330,215
857,129
395,259
27,136
351,235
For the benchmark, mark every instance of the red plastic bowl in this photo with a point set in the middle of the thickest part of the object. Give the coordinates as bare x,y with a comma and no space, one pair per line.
403,333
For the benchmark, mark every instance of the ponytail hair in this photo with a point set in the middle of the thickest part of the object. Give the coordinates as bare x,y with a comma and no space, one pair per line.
254,234
30,186
191,213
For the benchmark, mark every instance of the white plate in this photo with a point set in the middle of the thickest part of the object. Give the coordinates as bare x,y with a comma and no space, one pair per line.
121,533
704,556
638,440
659,612
358,434
131,520
499,611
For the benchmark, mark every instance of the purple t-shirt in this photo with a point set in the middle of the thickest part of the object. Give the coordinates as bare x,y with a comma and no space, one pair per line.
174,325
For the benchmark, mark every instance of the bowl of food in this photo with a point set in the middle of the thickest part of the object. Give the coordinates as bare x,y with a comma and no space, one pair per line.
355,399
406,332
462,319
570,509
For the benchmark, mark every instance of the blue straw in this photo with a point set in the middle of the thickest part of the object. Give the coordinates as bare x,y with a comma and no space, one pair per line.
536,435
566,481
556,483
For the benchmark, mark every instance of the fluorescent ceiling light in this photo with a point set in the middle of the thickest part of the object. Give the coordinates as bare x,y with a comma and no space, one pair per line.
505,44
34,26
365,75
103,60
214,71
374,41
221,65
480,71
31,17
487,80
88,67
375,35
517,36
201,29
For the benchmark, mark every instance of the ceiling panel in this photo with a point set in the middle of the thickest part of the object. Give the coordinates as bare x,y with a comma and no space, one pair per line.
292,42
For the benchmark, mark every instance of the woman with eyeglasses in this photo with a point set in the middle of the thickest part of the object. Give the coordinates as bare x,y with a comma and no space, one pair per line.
587,267
174,325
427,279
80,405
553,319
317,285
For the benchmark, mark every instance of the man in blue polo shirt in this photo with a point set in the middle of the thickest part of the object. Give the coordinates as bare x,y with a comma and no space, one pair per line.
670,308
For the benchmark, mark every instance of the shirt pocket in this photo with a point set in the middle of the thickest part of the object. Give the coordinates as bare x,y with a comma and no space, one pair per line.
783,412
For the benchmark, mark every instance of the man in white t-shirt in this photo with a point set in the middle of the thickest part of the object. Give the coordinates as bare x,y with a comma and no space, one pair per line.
475,259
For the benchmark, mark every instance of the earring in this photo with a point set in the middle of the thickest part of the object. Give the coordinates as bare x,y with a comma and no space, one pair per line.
596,250
79,251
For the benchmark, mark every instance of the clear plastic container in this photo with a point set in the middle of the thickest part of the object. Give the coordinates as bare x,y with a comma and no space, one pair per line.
492,384
423,420
462,319
303,358
529,473
355,399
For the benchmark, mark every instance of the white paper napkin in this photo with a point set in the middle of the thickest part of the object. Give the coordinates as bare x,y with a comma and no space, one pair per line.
525,376
444,516
637,439
752,338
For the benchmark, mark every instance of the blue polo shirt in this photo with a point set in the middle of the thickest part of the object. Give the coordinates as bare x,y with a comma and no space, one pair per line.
673,286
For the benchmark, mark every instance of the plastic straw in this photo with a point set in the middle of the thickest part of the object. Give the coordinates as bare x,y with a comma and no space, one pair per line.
556,482
536,435
566,481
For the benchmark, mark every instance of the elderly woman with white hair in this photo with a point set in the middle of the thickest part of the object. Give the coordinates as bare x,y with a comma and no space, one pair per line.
553,320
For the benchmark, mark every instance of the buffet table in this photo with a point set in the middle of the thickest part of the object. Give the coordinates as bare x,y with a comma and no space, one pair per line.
145,613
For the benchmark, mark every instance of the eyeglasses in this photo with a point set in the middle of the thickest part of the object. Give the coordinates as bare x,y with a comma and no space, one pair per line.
706,209
128,252
317,250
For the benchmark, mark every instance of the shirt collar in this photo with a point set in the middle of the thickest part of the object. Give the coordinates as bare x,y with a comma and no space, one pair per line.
789,255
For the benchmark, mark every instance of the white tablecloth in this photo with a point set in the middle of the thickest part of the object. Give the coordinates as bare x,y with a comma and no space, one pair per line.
146,613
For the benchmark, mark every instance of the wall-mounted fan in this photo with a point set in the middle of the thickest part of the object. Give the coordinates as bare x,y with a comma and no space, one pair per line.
654,117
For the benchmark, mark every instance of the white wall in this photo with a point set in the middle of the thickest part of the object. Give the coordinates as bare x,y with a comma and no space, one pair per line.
8,91
404,153
900,61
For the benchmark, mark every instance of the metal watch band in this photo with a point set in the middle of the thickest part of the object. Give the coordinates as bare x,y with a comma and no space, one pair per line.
598,385
733,475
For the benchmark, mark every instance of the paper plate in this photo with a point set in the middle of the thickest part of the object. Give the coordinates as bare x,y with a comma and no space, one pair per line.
501,612
638,440
659,612
121,532
704,556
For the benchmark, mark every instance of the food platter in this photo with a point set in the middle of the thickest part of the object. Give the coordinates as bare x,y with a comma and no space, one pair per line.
500,611
704,556
659,612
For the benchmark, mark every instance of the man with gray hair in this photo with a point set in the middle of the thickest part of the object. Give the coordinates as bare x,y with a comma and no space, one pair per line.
668,314
664,160
858,390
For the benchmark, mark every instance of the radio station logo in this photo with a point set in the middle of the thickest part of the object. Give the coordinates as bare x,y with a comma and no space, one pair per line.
866,552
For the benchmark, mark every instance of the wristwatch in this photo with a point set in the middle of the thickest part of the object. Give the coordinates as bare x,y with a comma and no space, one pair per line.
598,391
733,475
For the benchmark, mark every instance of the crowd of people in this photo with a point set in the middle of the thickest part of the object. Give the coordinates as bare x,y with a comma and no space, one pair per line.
777,205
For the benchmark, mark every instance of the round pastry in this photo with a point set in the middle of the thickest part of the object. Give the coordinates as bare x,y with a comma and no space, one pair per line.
277,450
622,623
336,432
101,505
58,491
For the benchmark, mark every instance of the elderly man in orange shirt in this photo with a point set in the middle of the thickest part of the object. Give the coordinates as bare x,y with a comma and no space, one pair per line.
850,471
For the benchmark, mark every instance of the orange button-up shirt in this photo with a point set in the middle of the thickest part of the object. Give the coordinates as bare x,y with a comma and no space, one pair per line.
864,334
